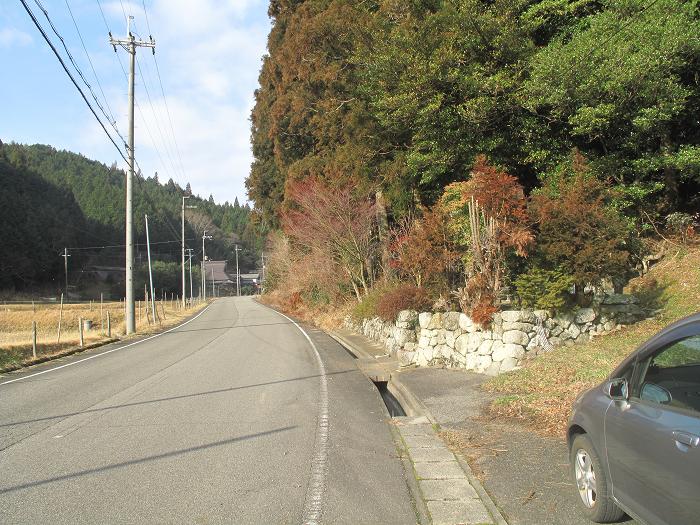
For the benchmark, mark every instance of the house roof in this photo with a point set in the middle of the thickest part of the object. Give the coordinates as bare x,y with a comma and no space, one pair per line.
215,271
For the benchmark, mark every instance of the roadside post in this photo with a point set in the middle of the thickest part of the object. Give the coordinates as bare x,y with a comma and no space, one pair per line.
80,330
109,326
34,339
60,318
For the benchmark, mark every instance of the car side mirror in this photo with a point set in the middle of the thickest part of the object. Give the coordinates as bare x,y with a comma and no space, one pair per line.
618,389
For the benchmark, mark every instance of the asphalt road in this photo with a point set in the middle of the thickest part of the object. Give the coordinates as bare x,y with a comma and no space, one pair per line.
234,417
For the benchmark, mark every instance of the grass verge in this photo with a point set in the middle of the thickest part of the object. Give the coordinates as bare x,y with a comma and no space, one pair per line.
16,334
541,393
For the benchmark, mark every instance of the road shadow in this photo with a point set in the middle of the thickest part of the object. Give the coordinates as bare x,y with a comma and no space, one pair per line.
172,398
139,461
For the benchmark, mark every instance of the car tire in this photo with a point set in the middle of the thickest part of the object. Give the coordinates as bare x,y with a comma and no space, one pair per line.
590,479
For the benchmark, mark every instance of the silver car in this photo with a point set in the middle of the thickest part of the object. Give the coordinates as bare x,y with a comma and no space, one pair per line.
634,440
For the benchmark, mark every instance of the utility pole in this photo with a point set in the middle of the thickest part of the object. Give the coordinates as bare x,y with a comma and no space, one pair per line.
204,273
238,274
130,44
184,305
262,280
189,252
65,268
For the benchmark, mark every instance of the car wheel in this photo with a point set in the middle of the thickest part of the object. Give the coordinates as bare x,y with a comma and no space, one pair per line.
591,482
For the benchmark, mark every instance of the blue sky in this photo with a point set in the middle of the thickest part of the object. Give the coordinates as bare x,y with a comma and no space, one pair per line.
209,54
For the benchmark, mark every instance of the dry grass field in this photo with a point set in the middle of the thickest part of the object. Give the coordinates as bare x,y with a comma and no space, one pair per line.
16,327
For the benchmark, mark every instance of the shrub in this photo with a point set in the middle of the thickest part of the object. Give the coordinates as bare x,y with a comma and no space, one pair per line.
403,297
543,289
367,308
580,232
487,216
482,312
421,250
681,224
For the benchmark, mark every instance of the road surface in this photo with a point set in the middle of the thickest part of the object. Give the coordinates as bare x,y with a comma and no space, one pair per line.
236,416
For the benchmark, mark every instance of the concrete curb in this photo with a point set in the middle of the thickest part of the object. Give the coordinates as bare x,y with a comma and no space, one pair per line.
419,506
408,399
481,491
415,407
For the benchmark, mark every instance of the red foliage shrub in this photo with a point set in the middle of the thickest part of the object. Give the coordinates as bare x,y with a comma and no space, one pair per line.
580,232
421,249
482,312
502,198
403,297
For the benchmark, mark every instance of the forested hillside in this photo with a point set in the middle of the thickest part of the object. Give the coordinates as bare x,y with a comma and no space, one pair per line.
55,199
485,146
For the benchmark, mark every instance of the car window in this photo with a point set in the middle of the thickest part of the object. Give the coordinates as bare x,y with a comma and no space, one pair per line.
672,376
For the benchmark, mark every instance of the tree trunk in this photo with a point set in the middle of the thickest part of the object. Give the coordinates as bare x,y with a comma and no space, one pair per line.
670,176
383,233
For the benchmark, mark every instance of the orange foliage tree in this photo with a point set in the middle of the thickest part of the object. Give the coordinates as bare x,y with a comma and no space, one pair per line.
488,219
421,249
580,231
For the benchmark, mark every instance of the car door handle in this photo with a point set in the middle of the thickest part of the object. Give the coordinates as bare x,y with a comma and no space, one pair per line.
686,439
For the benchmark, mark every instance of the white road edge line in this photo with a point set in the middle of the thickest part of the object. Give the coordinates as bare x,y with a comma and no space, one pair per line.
107,352
313,505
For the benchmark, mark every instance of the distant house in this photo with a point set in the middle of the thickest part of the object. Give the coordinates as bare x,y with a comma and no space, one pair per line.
216,273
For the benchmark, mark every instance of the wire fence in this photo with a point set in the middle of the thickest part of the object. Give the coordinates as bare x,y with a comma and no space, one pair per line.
31,330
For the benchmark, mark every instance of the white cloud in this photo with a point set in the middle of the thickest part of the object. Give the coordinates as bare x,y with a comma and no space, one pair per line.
9,36
209,55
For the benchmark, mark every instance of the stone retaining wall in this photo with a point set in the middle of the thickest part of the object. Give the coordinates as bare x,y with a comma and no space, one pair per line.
453,340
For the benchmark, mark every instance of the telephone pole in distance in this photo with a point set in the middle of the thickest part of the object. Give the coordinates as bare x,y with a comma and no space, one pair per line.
65,268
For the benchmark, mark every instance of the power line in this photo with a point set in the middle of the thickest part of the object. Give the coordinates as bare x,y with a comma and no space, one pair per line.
124,245
160,130
623,27
75,83
87,55
77,68
165,99
138,106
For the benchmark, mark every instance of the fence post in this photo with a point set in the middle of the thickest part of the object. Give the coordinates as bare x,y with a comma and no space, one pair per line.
80,330
102,319
34,339
60,318
109,326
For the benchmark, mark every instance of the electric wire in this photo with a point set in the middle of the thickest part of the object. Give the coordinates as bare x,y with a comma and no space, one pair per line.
75,83
109,246
77,68
622,27
164,168
155,116
165,99
87,55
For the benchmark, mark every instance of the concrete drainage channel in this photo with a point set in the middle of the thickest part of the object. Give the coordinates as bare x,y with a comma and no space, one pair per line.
392,404
444,489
